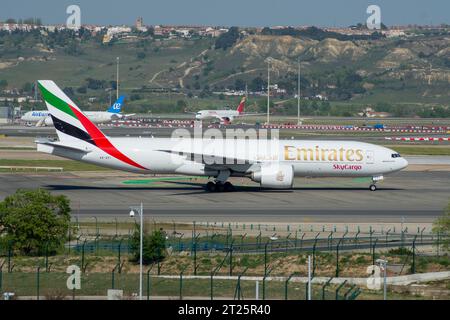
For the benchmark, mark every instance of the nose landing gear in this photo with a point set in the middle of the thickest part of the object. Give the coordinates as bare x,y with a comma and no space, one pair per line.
375,179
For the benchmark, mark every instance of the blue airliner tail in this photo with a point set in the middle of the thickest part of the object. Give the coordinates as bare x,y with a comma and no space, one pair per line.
117,106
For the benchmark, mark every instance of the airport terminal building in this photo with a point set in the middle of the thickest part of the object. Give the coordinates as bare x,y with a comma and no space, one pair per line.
6,114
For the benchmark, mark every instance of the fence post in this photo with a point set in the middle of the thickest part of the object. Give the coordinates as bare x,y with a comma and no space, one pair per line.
438,243
238,291
258,240
339,288
96,244
231,259
181,285
113,277
337,258
373,251
371,233
324,287
265,259
148,281
349,290
1,275
330,240
356,237
213,273
9,256
38,281
242,240
119,258
194,247
296,238
70,233
286,286
301,240
314,255
413,266
421,234
82,256
287,242
46,257
387,235
264,288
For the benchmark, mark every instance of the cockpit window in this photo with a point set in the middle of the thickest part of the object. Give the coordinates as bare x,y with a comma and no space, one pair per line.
396,155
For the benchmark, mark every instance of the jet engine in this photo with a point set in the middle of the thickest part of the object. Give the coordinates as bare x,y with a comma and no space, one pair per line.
274,176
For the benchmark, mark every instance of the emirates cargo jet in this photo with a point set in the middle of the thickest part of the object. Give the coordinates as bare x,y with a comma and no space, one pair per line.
271,163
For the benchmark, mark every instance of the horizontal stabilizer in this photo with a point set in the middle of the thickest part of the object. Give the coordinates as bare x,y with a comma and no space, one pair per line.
60,145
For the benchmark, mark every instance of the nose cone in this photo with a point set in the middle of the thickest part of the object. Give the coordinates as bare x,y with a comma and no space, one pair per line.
403,163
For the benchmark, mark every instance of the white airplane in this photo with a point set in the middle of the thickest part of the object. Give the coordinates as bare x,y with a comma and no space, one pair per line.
43,118
225,116
272,163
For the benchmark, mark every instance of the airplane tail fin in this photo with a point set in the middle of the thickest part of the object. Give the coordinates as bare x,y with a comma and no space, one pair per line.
73,126
117,106
66,116
241,106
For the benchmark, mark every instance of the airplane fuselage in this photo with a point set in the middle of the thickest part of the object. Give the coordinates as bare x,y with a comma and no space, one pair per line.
241,157
43,117
216,114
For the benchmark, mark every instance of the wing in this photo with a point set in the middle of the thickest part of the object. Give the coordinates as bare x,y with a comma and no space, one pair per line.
214,162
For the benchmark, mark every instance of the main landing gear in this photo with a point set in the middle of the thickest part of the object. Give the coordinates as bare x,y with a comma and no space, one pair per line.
220,184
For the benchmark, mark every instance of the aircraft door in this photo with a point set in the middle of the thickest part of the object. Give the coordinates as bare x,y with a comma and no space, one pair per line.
370,157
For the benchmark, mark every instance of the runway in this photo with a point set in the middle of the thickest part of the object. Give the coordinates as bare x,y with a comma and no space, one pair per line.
415,195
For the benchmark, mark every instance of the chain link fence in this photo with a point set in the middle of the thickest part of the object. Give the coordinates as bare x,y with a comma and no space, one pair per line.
217,261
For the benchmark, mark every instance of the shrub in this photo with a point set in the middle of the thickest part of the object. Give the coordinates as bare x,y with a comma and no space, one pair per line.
154,246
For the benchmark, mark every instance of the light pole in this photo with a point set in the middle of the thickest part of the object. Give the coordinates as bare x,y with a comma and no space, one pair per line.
140,211
383,266
117,83
309,277
268,90
298,93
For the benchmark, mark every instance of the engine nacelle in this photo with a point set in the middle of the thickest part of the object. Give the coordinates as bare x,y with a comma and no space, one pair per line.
275,176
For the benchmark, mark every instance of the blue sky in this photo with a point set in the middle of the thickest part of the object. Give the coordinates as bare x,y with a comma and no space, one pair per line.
231,12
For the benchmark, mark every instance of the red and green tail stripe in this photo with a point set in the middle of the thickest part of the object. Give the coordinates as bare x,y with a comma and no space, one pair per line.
92,135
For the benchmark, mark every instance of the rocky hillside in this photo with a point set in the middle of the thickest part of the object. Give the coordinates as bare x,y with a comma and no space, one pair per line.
408,70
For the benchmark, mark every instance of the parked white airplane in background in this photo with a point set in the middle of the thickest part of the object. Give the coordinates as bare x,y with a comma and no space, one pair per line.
273,165
225,116
43,118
